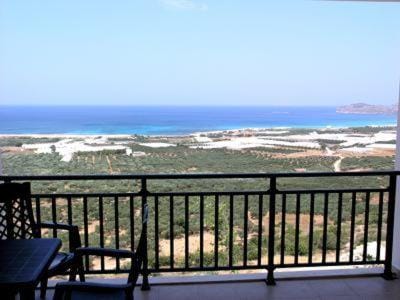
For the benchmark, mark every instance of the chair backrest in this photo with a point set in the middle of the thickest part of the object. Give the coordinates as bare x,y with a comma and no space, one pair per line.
140,249
86,290
16,214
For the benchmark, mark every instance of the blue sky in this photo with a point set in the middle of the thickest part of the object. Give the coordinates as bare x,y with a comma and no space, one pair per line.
198,52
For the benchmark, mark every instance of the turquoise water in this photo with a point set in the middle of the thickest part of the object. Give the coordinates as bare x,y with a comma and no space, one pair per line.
170,120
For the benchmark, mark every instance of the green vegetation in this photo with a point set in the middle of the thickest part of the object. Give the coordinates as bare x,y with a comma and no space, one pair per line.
393,142
368,162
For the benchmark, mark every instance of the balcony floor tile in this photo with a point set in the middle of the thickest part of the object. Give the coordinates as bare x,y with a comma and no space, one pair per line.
370,288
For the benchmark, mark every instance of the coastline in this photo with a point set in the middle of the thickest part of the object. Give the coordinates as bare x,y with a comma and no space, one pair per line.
195,133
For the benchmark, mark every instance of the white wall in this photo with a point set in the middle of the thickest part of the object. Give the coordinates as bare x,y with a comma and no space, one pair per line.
396,235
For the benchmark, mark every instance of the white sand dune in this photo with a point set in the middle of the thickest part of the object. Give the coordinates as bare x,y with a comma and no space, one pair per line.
235,144
67,147
201,139
382,146
157,145
252,142
356,149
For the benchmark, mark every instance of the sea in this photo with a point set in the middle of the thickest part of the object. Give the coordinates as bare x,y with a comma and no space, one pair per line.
173,120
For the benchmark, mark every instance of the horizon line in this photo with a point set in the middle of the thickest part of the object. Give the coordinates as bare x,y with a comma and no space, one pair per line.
183,105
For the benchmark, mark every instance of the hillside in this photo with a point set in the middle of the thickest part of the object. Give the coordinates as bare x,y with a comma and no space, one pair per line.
364,108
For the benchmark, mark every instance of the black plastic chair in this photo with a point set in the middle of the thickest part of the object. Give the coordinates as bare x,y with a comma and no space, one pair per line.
101,291
17,222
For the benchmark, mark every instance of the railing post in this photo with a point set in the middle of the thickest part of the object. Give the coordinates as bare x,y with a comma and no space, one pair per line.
271,232
388,274
145,272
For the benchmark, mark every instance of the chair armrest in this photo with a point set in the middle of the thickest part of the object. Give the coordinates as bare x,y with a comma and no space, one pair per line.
74,237
104,252
60,226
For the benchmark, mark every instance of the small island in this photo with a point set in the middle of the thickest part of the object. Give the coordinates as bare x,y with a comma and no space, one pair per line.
367,109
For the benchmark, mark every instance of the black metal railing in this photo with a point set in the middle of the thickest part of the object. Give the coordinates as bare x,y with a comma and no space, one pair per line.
211,229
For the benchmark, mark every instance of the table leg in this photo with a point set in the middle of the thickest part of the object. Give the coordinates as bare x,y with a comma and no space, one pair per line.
7,294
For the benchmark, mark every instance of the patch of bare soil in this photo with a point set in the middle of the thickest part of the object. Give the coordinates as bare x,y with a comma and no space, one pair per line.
194,245
371,152
110,169
92,226
375,199
109,263
304,222
359,170
306,153
18,150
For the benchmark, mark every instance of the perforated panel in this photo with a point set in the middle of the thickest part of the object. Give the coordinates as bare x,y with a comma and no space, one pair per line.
16,216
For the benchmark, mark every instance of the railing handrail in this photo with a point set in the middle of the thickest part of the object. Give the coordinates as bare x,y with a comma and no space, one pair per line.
199,175
265,236
210,193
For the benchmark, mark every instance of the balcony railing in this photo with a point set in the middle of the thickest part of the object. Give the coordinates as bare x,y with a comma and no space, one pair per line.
199,224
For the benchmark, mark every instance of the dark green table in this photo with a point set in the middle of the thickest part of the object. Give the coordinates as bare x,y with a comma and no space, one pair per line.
23,263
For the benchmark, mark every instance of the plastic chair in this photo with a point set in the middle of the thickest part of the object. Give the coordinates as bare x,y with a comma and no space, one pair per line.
17,222
102,291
